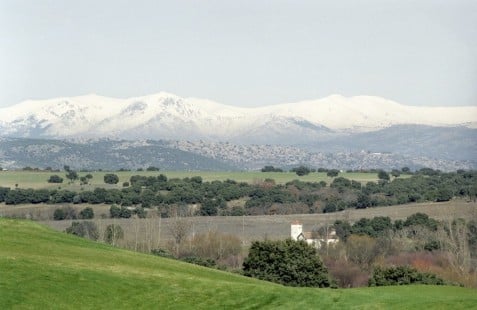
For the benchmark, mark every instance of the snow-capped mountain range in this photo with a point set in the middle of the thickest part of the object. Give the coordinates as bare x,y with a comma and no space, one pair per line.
167,116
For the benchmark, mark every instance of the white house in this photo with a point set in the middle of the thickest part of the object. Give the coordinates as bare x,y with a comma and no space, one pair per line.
297,233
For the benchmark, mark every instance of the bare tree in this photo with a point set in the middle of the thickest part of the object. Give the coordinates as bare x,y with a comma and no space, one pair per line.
361,250
136,232
454,240
179,228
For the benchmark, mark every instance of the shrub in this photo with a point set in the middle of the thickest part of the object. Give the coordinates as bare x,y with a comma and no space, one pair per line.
200,261
152,168
287,262
162,253
402,275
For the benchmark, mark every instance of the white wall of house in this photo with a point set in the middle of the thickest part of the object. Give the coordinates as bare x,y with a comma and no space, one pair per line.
296,230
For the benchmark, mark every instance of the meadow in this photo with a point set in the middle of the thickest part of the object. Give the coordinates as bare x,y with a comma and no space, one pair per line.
42,268
38,179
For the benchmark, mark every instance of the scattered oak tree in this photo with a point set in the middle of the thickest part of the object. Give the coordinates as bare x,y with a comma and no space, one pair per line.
332,173
72,175
383,175
55,179
301,171
271,169
87,213
111,178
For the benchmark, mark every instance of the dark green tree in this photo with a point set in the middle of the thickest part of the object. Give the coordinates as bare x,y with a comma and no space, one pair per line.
114,211
59,215
301,170
332,173
287,262
55,179
3,193
111,178
72,175
421,219
444,193
271,169
66,213
86,214
395,173
383,175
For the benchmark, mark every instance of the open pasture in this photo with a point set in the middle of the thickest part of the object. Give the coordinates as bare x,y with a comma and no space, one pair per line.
38,179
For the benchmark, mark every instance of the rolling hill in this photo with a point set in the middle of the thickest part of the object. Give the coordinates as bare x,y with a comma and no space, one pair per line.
41,268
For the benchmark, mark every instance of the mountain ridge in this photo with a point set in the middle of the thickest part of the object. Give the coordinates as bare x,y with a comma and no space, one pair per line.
168,116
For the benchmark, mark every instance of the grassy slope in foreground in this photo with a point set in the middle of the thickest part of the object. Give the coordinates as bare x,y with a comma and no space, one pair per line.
41,268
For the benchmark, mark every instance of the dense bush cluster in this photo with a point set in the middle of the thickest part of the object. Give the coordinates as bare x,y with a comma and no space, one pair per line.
287,262
380,225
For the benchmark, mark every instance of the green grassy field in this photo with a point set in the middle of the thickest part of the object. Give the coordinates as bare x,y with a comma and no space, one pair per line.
41,268
38,179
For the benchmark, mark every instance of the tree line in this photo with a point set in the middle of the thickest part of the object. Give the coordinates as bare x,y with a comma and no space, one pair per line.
264,197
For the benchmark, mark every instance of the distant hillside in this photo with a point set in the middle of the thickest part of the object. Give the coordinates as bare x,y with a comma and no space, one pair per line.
41,268
101,154
222,156
450,143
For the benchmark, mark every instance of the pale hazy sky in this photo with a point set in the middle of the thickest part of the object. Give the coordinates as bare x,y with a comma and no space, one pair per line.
243,53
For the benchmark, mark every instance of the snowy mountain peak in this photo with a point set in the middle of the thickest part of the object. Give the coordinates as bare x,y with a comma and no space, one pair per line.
165,115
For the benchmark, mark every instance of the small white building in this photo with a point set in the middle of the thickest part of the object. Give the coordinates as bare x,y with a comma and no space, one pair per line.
297,233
